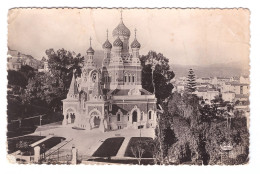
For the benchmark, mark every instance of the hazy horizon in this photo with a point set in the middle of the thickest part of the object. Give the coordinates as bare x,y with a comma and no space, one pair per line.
185,36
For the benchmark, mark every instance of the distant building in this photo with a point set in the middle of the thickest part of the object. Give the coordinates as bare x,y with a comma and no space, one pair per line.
220,80
239,88
226,87
235,79
45,67
206,93
228,96
204,80
241,97
14,63
244,79
179,88
15,60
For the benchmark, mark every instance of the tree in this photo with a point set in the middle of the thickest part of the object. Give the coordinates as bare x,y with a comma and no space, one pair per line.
51,87
191,81
198,132
16,78
138,150
159,79
142,147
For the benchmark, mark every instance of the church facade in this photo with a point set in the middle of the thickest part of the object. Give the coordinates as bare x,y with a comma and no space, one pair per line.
111,97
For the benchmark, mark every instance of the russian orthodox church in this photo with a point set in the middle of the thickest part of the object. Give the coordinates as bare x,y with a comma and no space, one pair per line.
111,97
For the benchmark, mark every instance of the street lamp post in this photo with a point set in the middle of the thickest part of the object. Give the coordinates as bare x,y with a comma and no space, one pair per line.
40,120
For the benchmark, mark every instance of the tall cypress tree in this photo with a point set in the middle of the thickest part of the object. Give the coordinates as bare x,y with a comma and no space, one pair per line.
191,81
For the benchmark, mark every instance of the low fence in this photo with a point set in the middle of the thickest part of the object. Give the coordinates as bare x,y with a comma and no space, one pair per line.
58,154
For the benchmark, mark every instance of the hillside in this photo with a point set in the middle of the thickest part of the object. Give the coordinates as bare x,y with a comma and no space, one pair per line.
219,70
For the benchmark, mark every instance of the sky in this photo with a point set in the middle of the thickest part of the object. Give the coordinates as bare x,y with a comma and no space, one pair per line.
185,36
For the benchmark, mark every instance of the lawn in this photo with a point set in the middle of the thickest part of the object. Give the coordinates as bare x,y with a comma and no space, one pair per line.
46,145
134,141
22,143
109,147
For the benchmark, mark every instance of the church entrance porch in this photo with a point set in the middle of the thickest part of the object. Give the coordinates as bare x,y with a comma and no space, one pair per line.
96,122
95,119
69,116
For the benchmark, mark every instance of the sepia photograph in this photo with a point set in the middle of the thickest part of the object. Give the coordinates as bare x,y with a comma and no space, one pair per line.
138,86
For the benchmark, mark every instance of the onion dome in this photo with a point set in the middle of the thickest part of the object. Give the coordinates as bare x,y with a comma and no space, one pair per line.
121,29
135,44
90,50
107,44
118,42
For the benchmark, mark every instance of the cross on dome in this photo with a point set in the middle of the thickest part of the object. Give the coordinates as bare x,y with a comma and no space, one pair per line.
121,11
90,50
135,43
121,29
107,44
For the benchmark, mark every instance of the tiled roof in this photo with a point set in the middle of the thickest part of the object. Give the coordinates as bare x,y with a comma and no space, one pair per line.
212,90
238,84
205,78
241,96
115,109
202,89
229,92
120,92
223,78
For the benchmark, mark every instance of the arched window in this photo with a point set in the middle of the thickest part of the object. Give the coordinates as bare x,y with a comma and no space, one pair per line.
129,78
134,116
118,117
133,78
150,115
125,79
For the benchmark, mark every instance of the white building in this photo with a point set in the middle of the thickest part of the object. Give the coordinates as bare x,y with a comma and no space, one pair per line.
206,94
228,96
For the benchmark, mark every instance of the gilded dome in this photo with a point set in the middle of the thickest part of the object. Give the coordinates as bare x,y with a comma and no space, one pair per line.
121,30
118,42
107,45
135,44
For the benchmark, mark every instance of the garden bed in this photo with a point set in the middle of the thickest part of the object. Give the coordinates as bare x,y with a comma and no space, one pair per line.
143,142
22,143
45,146
109,147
